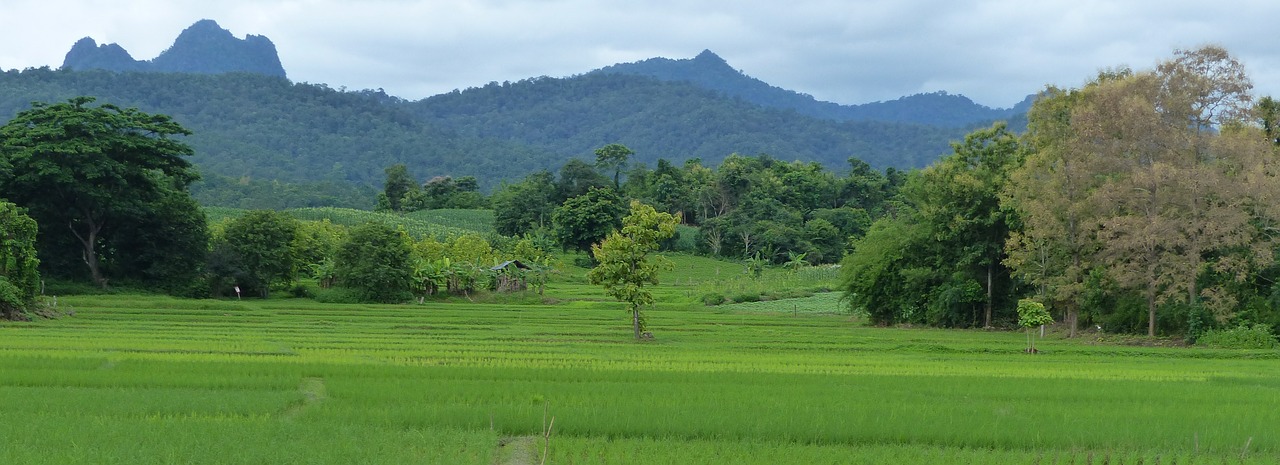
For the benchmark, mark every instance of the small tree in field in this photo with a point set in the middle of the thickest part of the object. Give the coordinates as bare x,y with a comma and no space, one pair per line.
624,266
1030,315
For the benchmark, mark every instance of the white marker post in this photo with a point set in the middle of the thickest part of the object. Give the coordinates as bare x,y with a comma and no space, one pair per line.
237,292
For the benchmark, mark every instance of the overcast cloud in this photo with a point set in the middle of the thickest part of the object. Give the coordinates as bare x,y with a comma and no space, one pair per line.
995,52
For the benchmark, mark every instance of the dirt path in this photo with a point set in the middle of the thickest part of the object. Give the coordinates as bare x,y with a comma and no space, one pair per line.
518,450
313,392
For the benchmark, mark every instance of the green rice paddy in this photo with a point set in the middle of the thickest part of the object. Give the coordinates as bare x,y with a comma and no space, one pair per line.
139,379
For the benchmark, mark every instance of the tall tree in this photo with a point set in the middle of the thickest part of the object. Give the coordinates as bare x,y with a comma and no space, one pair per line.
959,199
614,157
576,178
625,268
525,206
84,167
1051,192
398,183
1166,185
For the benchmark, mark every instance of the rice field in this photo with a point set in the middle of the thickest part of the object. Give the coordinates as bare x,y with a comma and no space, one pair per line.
141,379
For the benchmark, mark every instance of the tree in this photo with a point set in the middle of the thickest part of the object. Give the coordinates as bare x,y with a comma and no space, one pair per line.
576,178
958,198
398,183
586,219
1030,315
19,279
614,157
163,246
624,267
525,206
262,242
87,168
375,261
879,275
1054,248
1158,176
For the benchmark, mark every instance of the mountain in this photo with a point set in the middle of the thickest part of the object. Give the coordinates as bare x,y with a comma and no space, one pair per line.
263,142
203,48
713,72
676,120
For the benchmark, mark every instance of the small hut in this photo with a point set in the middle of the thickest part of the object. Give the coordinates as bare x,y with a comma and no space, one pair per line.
511,276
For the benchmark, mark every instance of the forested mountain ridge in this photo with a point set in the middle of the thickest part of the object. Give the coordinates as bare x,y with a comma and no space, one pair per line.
713,72
204,47
263,142
252,128
672,120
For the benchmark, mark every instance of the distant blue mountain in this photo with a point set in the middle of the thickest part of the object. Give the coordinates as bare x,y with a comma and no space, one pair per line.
203,48
710,71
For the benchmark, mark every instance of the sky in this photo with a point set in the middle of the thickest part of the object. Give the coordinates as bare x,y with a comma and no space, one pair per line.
995,52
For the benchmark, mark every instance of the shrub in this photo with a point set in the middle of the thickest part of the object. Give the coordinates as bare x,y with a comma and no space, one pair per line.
713,299
337,295
1241,337
300,290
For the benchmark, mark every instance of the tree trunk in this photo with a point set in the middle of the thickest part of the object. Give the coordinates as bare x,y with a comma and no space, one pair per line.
635,320
1151,310
987,317
1073,319
90,251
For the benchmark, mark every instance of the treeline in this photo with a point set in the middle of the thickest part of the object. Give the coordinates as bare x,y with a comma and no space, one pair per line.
101,194
747,207
262,250
1143,201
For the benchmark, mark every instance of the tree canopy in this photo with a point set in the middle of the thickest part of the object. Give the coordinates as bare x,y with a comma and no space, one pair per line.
625,268
89,172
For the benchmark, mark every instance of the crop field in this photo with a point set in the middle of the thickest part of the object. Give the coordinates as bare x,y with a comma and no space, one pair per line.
151,380
143,379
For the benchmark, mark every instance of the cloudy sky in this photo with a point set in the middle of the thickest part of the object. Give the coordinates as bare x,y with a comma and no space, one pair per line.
846,51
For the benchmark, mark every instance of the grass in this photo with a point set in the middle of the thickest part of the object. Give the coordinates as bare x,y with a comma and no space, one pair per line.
142,379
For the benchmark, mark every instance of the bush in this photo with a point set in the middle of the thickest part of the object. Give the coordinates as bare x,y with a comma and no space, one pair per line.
300,290
713,299
1241,337
748,297
337,295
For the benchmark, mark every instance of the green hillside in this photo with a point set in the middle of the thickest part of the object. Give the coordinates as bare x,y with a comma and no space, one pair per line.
263,142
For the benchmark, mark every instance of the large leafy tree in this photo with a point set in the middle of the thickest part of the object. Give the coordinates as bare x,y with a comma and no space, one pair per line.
1158,177
525,206
958,198
375,262
262,243
586,219
1054,249
625,268
938,259
87,171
